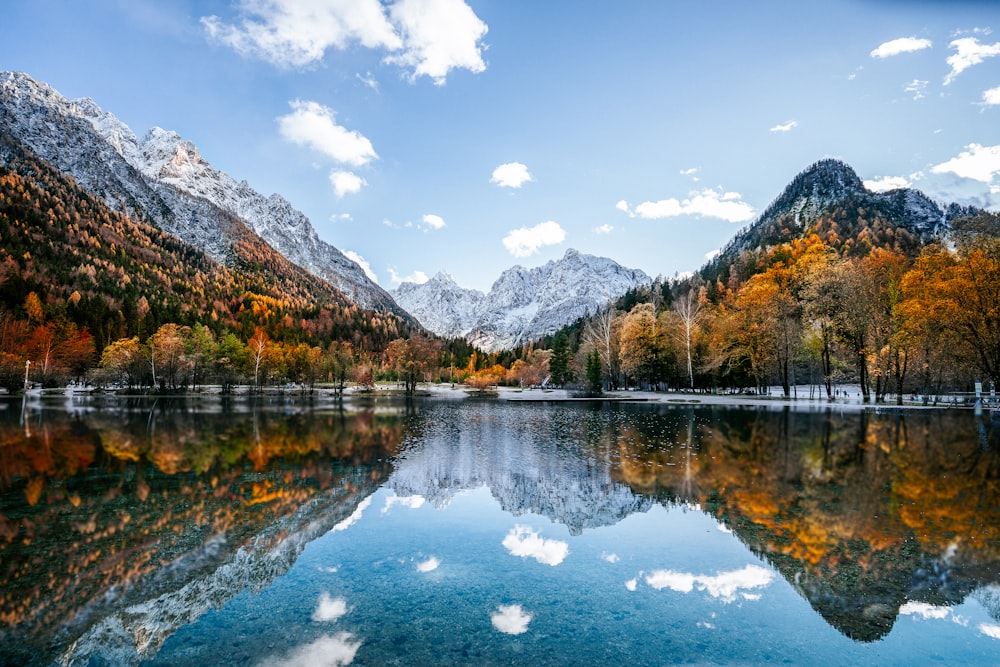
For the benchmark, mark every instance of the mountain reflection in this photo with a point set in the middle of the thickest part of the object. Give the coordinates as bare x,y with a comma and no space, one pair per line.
118,525
859,512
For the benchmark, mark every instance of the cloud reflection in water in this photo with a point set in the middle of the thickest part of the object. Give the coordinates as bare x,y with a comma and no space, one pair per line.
329,609
511,619
327,651
523,541
725,586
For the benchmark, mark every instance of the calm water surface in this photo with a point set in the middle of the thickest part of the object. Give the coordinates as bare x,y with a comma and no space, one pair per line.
195,532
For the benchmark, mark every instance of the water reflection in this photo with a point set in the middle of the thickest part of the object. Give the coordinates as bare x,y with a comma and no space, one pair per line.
121,524
133,531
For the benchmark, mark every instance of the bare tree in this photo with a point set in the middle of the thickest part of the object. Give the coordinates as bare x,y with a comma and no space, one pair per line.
688,311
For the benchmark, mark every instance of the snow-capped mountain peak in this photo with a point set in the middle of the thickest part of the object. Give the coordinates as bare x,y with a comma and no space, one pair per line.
523,304
164,178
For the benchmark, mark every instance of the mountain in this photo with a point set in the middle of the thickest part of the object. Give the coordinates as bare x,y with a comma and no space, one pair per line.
830,200
523,304
117,276
164,180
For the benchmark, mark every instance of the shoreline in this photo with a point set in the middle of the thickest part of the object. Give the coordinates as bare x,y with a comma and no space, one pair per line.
846,401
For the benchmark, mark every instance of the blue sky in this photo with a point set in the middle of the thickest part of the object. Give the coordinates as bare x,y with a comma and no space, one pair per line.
423,135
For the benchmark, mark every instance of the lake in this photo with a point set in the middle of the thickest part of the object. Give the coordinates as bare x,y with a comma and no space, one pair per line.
442,532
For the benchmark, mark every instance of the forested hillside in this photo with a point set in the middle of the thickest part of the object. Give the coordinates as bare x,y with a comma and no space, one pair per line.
76,276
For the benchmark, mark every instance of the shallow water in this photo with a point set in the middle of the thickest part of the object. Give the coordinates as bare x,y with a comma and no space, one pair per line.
205,532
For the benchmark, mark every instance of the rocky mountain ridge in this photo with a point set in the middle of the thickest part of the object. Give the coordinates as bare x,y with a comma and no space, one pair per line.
163,179
523,304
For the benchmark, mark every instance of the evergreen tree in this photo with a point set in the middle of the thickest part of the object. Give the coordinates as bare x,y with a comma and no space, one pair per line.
559,367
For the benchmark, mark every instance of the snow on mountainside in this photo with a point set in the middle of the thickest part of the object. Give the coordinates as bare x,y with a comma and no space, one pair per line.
164,179
523,304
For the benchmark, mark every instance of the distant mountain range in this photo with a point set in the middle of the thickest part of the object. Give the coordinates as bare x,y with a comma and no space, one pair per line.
523,304
164,181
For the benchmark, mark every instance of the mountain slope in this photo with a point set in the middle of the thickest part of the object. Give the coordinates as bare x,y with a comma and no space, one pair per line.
164,180
120,277
523,304
830,200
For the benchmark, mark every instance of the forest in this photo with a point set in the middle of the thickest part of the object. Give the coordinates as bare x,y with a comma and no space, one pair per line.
855,298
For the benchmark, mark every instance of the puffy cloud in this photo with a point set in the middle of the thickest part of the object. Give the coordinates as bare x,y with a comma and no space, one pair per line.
968,52
524,542
428,565
725,586
980,163
526,241
901,45
346,182
290,33
886,183
430,37
511,175
990,630
707,203
433,221
604,229
328,651
329,609
510,619
314,125
418,277
992,96
439,35
363,263
622,206
787,126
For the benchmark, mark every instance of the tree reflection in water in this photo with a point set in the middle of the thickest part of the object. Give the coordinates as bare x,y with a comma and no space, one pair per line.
104,508
860,512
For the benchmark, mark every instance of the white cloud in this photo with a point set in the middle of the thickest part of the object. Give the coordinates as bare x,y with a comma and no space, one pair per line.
510,619
708,203
632,584
409,502
363,263
346,183
968,52
418,277
314,125
690,172
712,254
430,37
610,557
901,45
622,206
428,565
980,163
524,542
511,175
433,221
526,241
329,609
368,80
682,582
990,630
725,586
992,96
289,33
886,183
917,88
355,515
439,35
604,229
787,126
326,651
924,610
